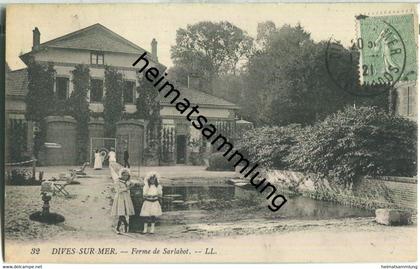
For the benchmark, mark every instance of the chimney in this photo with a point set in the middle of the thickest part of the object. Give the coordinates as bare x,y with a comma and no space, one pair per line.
154,49
36,37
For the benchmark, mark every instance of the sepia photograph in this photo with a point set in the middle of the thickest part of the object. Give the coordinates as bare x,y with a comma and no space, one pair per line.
210,133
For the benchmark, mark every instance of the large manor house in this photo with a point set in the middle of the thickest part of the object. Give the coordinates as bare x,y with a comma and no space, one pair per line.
97,47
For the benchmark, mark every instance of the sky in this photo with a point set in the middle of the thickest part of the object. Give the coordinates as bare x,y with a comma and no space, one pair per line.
140,23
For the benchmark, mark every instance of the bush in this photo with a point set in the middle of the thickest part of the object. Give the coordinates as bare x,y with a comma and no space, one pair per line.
357,142
269,146
20,177
218,162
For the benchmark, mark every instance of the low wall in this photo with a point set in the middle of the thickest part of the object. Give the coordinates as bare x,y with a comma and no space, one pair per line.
384,192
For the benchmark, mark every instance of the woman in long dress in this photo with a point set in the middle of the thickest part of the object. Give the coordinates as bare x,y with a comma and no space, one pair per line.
113,165
98,160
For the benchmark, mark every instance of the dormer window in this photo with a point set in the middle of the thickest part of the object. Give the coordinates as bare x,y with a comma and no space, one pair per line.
97,58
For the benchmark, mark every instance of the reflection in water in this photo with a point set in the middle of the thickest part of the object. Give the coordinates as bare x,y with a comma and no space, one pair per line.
189,197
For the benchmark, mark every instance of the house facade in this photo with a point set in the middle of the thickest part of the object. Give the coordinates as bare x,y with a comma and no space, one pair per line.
97,47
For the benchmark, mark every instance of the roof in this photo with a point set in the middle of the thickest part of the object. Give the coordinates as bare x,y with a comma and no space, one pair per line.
95,37
200,98
17,82
17,85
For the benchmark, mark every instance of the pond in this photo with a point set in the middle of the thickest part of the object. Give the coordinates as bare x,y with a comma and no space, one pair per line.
196,197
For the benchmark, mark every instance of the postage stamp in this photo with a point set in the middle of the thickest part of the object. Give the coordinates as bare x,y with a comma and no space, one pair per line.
387,49
381,54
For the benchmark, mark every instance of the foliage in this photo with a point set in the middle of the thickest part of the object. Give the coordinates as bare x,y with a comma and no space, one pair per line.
269,146
17,141
147,103
230,88
21,177
178,75
208,49
357,142
79,109
287,81
264,31
40,101
218,162
113,101
148,108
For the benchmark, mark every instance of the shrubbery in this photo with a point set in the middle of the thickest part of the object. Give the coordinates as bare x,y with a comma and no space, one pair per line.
20,177
357,142
218,162
346,146
269,146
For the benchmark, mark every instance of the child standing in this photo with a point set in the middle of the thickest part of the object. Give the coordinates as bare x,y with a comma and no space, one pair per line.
122,206
151,208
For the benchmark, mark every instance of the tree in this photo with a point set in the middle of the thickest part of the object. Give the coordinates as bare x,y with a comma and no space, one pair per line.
79,109
287,80
230,87
207,49
264,31
277,79
178,75
113,101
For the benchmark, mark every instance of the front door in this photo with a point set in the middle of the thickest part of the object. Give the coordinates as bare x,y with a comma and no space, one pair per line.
181,148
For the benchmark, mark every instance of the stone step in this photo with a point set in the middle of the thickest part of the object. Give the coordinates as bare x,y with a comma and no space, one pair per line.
393,217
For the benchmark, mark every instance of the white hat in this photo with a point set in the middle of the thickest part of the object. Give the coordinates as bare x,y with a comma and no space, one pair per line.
122,170
149,175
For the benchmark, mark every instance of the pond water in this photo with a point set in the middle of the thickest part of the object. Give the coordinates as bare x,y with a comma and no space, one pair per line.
199,197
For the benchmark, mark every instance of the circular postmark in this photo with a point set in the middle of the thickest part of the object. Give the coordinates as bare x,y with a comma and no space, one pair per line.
372,65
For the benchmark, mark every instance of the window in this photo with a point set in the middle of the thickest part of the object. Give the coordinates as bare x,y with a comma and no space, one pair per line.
128,92
96,90
62,88
97,58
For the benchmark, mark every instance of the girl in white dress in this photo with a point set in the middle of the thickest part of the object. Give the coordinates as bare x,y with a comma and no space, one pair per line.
122,205
151,208
98,160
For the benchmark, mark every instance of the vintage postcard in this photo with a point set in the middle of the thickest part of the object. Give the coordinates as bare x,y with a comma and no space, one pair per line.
210,133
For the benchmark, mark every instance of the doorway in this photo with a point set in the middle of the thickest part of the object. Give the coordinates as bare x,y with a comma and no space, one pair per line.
181,149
